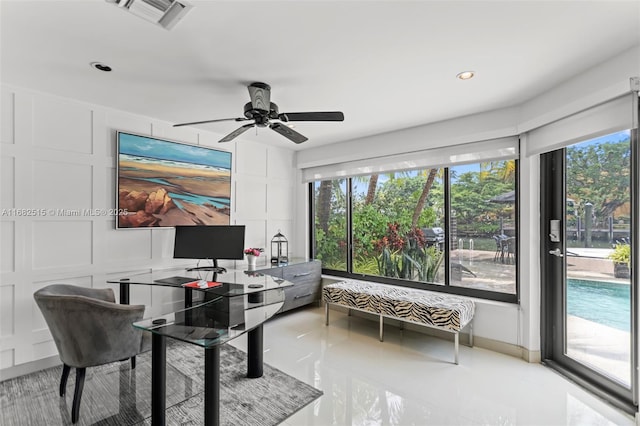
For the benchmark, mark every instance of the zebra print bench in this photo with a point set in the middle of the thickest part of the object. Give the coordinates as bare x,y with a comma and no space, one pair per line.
436,310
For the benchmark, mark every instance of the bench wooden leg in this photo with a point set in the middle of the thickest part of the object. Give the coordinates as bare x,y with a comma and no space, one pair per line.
456,346
326,314
381,328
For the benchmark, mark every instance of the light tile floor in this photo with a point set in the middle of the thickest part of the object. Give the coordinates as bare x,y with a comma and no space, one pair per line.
409,379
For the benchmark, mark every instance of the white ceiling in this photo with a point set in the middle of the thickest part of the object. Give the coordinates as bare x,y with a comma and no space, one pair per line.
386,64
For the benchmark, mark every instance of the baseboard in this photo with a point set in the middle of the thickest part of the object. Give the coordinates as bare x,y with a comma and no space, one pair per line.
29,367
507,349
532,356
478,341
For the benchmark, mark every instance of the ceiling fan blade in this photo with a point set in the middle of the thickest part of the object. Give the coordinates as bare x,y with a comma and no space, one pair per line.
260,94
288,132
210,121
312,116
237,132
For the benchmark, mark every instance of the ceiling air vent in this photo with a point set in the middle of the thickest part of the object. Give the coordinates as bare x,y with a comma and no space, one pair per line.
165,13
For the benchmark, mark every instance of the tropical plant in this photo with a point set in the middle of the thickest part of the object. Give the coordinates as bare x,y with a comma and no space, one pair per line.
406,257
621,254
504,170
366,265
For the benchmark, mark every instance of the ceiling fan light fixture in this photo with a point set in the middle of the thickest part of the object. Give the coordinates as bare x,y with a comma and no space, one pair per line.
465,75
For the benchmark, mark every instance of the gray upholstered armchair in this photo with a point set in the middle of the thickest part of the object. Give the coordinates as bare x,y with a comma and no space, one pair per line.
89,329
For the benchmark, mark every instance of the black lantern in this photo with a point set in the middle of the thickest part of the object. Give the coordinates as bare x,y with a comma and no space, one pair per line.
279,249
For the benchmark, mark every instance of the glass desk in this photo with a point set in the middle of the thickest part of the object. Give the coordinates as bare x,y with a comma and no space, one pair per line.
241,304
234,282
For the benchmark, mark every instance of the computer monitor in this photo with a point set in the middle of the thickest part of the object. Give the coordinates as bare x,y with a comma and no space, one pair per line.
209,242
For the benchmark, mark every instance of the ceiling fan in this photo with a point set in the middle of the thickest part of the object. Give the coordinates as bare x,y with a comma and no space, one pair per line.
261,110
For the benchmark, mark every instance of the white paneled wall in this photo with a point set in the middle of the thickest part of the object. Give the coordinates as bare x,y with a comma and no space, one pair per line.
57,153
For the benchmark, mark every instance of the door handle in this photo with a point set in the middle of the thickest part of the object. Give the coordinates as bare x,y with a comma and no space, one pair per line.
556,252
303,274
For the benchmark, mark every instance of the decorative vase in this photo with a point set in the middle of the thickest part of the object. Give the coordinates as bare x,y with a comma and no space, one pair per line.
251,259
621,270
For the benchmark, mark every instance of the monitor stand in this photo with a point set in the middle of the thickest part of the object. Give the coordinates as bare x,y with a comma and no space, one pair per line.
215,268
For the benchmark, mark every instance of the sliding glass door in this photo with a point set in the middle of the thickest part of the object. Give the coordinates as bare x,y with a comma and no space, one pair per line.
588,294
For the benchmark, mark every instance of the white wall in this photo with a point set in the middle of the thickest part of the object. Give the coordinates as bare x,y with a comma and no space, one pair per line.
57,153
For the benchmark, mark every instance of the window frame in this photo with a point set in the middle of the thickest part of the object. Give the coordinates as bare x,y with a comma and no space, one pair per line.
445,287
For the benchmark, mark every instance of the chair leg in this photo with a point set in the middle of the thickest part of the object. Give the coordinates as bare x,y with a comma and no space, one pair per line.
77,394
63,381
456,346
326,314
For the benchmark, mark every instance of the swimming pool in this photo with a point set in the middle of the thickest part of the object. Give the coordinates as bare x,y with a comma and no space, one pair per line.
602,302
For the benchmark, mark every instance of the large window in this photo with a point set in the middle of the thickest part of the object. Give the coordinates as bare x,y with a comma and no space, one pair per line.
449,229
394,217
483,240
330,228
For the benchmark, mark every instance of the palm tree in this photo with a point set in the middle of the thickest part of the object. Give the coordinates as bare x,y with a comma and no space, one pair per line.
423,196
505,170
323,204
373,186
371,189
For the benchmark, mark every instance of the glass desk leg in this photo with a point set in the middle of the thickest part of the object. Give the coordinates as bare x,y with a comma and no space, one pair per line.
188,298
254,355
212,386
124,291
124,300
158,378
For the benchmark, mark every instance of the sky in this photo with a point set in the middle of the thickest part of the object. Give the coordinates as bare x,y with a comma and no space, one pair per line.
143,146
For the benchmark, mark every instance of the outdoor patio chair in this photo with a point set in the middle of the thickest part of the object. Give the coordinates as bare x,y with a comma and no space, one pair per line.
499,255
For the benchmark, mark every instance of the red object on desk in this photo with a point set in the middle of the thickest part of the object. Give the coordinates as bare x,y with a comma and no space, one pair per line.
194,284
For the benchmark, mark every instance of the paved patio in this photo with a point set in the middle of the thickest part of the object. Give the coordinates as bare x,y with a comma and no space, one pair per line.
491,274
601,347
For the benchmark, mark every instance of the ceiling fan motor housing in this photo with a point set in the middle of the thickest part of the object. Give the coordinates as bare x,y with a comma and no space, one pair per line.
260,94
261,116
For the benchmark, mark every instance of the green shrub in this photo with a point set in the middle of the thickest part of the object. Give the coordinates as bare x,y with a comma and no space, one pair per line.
621,254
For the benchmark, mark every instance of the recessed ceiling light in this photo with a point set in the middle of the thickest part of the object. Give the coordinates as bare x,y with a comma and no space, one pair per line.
466,75
100,66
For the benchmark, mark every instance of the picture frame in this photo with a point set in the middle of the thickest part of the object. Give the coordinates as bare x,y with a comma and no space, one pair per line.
164,183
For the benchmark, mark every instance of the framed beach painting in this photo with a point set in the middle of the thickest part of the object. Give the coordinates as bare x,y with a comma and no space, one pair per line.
164,183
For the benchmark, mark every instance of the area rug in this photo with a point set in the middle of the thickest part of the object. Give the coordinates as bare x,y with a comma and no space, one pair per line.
116,395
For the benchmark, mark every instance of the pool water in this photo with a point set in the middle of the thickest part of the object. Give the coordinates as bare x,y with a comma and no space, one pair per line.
605,303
